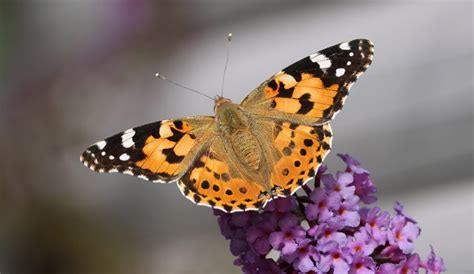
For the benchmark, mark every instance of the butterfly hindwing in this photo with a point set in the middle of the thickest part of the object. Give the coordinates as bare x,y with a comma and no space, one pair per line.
157,152
314,88
302,148
212,181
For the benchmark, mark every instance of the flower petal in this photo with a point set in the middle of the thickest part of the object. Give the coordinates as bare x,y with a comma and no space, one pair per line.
276,240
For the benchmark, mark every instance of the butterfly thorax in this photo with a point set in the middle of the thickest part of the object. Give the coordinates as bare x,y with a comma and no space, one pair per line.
237,127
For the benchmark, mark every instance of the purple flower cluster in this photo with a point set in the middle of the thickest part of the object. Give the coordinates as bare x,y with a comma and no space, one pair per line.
327,230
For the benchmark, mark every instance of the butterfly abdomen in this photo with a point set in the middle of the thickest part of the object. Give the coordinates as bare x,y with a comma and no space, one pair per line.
247,149
234,126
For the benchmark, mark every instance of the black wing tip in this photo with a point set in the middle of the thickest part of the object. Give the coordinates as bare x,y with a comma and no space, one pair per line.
89,158
359,41
361,44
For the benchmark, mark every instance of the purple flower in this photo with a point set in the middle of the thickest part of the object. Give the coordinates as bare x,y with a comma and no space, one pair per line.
336,258
238,246
362,265
409,266
288,238
259,265
348,211
240,219
403,233
376,222
330,232
257,237
339,185
365,188
326,230
392,254
434,264
386,268
361,242
281,205
322,205
352,164
223,221
322,169
398,207
305,257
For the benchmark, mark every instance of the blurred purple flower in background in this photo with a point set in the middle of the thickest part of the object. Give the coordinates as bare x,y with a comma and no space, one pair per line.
326,229
434,264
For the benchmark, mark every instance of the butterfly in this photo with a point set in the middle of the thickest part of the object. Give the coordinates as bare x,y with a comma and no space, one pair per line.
268,146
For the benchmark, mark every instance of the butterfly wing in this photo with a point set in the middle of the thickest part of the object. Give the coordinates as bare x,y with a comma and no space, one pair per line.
211,180
313,89
158,152
302,149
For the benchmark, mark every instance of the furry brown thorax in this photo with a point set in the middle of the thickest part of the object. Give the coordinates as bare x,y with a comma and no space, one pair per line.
236,125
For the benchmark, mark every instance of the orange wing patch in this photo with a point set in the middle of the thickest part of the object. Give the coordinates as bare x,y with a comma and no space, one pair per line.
303,149
210,182
165,153
308,96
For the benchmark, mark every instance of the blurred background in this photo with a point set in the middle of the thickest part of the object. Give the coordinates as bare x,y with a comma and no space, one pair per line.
74,72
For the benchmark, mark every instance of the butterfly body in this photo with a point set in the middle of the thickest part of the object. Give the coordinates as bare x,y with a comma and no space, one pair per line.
240,134
267,146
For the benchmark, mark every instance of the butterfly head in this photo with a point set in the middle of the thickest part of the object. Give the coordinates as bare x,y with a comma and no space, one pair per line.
228,114
220,102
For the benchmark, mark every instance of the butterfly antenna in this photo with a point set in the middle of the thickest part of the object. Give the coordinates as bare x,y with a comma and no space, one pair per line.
181,86
229,39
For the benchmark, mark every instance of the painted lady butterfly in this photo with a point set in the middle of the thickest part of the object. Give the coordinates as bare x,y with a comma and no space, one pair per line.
267,146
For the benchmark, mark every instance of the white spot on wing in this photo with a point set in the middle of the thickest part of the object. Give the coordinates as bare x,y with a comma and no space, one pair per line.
165,130
351,54
129,172
344,46
111,157
321,59
325,64
124,157
100,145
142,177
348,63
102,153
127,140
340,72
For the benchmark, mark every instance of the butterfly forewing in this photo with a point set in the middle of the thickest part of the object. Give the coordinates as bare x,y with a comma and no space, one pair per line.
158,152
313,89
